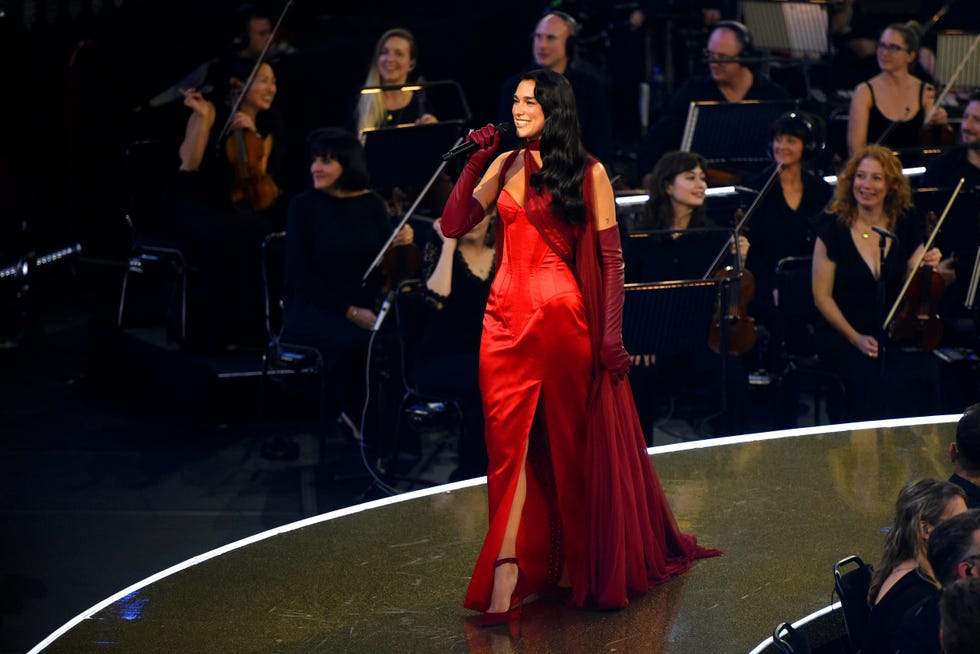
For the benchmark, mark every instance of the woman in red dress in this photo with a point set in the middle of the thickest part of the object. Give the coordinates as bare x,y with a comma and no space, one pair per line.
574,501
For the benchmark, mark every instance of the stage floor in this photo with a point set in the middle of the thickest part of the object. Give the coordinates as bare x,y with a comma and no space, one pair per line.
389,576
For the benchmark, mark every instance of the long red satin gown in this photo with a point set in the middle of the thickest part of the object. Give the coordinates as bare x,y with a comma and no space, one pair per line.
594,507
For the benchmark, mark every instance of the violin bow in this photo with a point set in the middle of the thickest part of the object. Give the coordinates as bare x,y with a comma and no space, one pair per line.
240,95
925,248
738,228
952,78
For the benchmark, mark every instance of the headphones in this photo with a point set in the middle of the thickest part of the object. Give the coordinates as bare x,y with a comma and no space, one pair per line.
742,34
813,141
571,44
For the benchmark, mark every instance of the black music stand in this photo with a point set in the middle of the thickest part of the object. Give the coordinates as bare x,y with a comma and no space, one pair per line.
668,317
735,134
406,156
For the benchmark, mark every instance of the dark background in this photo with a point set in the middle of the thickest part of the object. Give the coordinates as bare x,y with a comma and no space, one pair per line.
75,71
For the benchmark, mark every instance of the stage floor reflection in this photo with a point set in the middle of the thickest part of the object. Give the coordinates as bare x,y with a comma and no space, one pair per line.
389,576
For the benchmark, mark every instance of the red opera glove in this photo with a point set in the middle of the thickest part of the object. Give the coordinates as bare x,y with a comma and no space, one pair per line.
463,211
612,353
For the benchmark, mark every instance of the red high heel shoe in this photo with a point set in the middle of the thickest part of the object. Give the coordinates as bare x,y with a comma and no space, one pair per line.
494,618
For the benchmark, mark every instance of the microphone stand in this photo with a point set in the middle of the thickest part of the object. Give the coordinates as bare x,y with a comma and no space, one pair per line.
880,295
384,248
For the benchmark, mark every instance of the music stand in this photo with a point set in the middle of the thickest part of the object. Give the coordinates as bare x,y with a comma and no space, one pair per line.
800,27
955,49
727,132
406,156
668,317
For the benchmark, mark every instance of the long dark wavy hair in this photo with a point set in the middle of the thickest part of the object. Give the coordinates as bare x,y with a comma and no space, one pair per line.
659,212
563,158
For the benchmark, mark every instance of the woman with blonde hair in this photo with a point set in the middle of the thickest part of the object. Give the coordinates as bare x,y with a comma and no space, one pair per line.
903,575
394,59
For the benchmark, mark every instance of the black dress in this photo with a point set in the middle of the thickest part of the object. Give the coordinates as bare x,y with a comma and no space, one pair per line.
900,381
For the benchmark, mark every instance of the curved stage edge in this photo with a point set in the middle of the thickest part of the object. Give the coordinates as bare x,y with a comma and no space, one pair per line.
389,575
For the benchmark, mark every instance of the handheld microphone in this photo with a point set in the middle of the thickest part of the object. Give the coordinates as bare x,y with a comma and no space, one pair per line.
884,232
469,146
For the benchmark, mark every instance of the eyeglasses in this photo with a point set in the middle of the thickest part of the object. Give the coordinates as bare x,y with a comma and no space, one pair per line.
891,47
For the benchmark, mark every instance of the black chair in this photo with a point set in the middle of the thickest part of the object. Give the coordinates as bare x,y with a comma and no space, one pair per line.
852,588
151,254
278,356
797,315
789,640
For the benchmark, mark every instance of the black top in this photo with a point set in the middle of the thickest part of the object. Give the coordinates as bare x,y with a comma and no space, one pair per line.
454,324
887,614
665,135
591,95
776,230
905,133
972,491
960,233
330,242
855,288
918,631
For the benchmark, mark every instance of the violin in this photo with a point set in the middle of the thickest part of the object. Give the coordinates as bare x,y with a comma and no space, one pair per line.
918,322
731,309
248,153
736,327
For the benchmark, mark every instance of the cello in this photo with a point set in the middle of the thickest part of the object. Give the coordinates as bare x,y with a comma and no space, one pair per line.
918,323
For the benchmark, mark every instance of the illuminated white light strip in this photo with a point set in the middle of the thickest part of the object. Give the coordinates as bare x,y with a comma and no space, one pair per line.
799,623
641,198
448,488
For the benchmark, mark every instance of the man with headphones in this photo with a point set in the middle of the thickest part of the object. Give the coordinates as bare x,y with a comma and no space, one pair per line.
953,553
728,81
553,48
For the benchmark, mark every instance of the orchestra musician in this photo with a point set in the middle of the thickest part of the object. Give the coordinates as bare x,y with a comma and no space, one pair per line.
395,58
728,81
781,226
854,284
210,207
894,106
959,237
334,231
677,195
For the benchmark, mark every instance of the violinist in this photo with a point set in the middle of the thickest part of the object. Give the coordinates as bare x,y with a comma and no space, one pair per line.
334,231
395,58
960,234
894,106
677,194
880,379
221,232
